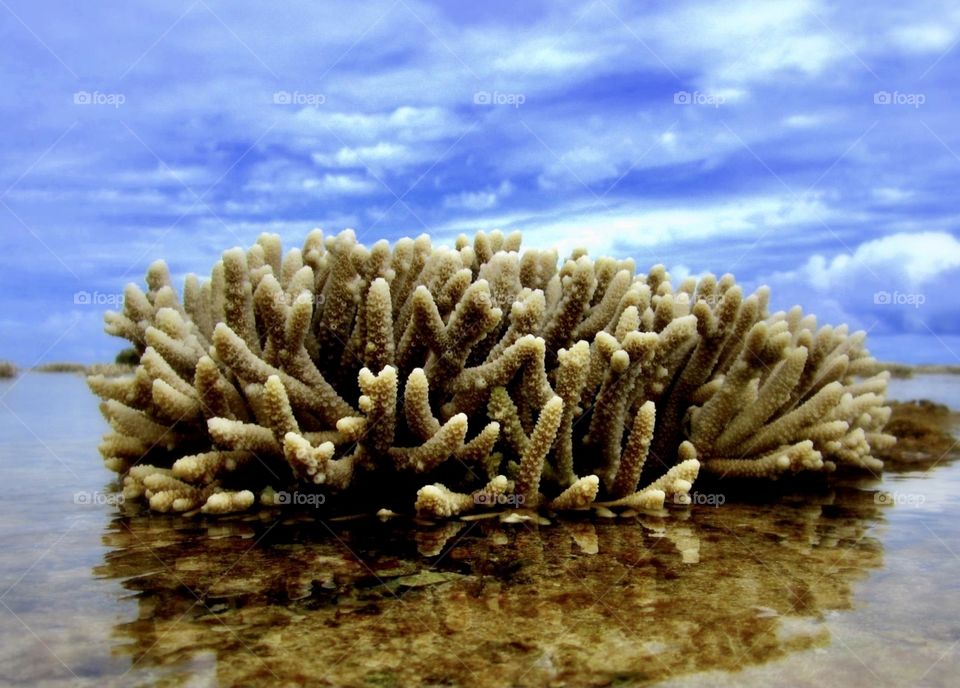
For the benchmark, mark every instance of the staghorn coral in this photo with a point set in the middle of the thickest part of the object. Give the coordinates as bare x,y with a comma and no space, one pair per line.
473,377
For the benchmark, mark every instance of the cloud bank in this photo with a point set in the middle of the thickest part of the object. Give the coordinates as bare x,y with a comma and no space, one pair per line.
804,144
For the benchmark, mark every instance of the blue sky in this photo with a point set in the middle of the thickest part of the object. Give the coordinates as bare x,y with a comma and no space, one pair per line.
807,145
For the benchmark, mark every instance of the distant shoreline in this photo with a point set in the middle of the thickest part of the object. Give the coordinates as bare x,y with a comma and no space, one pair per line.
905,370
8,370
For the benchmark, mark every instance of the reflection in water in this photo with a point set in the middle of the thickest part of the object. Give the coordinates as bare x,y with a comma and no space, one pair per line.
578,602
589,601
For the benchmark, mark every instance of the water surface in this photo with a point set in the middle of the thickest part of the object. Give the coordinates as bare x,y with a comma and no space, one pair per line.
856,584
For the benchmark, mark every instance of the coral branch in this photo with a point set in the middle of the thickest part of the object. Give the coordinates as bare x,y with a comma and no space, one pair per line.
347,369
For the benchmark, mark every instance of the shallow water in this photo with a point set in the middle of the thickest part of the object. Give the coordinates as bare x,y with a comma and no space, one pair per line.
856,585
943,389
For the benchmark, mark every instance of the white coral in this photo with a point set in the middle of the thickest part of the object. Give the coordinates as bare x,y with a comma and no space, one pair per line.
581,380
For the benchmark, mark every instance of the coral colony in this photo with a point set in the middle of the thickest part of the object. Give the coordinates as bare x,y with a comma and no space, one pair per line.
450,380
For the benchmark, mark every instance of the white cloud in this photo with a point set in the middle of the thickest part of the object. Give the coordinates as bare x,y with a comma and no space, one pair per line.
909,259
803,120
162,175
478,200
545,54
920,257
602,230
891,195
471,200
598,82
407,124
380,154
110,198
582,164
902,282
662,226
737,43
924,38
281,176
338,184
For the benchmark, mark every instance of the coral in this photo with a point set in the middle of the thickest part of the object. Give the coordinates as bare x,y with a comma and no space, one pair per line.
925,433
474,377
